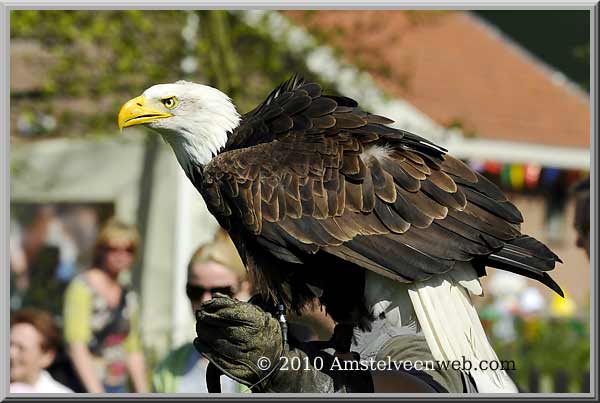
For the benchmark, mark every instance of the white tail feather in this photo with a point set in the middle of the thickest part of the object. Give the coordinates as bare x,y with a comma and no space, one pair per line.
452,327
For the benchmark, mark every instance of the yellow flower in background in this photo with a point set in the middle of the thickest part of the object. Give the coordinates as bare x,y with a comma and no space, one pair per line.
531,329
563,307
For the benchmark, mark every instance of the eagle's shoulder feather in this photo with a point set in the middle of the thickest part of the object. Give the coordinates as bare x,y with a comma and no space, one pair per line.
322,175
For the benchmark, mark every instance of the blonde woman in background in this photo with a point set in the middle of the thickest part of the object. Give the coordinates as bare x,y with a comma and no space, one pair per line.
215,267
101,325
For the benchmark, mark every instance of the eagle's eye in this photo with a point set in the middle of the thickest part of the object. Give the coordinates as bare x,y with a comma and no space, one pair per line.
169,102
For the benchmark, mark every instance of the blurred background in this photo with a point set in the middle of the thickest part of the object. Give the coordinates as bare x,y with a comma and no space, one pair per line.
506,91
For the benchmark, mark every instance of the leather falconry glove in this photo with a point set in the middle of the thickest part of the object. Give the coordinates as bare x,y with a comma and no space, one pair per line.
246,343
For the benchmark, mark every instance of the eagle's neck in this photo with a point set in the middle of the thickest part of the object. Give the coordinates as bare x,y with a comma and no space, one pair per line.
192,151
199,140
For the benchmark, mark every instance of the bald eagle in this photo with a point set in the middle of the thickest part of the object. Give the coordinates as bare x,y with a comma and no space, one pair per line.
324,199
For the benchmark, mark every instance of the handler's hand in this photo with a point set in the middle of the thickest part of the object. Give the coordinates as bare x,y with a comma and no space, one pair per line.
238,337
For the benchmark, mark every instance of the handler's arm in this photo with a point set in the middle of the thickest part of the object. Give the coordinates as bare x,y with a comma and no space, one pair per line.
340,381
399,382
251,337
328,379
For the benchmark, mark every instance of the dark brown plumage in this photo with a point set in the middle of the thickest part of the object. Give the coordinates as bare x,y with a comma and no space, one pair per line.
313,190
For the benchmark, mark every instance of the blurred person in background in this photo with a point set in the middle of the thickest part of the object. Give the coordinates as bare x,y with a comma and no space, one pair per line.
19,280
34,340
214,267
48,243
101,318
581,193
34,262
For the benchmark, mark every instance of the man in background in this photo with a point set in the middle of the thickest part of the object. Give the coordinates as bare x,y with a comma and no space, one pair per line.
581,193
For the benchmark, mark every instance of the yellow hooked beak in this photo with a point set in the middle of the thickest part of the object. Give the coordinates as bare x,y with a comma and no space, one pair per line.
138,111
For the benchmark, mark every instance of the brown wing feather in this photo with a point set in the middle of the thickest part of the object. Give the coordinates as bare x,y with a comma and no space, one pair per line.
407,212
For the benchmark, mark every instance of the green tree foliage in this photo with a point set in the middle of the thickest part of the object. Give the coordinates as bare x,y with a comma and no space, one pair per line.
548,346
560,38
101,52
102,58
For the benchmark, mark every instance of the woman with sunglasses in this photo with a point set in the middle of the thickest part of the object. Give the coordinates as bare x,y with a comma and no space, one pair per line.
214,268
101,317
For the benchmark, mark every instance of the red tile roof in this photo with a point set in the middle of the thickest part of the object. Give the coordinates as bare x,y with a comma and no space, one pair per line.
458,71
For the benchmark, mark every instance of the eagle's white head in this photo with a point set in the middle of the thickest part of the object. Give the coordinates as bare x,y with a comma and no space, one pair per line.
194,119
